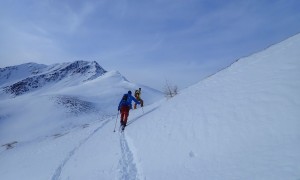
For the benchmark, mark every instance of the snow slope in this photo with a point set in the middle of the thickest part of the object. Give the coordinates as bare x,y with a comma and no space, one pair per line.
12,74
241,123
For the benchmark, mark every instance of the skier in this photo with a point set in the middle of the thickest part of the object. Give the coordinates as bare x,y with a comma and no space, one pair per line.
125,106
137,95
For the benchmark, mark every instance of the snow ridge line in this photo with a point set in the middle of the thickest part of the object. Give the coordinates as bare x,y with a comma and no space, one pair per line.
56,175
127,166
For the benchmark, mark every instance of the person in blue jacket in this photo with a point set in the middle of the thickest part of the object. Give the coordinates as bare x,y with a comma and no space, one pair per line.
125,106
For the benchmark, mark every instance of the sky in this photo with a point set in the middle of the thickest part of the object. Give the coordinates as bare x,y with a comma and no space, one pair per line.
149,42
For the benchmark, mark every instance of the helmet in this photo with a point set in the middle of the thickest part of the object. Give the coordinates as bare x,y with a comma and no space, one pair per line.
129,92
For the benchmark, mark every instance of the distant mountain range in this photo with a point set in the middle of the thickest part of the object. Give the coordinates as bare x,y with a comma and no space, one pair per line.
24,78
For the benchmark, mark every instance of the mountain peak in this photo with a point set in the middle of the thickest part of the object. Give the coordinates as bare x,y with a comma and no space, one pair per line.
27,77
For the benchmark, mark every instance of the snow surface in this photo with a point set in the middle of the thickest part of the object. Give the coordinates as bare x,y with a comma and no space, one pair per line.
241,123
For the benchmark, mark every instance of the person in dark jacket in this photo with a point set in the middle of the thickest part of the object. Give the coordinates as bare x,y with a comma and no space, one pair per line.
125,106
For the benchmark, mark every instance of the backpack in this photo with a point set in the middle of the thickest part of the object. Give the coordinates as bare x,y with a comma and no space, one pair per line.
125,97
124,101
137,93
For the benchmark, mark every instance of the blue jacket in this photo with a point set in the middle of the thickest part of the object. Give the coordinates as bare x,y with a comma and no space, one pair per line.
130,98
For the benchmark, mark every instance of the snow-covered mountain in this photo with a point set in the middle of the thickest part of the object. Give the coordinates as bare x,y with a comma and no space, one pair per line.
12,74
31,76
52,99
241,123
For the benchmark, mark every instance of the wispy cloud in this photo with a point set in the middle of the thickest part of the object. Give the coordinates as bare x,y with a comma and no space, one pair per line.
127,34
40,34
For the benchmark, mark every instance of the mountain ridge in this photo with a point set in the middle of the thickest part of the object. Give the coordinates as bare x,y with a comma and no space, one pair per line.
29,77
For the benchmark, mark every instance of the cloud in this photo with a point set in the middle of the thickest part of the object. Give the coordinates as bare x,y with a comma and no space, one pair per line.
37,33
190,35
21,46
75,18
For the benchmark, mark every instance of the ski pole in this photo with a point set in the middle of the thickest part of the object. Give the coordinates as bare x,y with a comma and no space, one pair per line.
116,122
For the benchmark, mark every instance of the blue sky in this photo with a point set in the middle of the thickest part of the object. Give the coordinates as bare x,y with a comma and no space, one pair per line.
149,42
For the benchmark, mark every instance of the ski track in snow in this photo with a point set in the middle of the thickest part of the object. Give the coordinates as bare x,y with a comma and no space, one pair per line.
58,171
127,166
